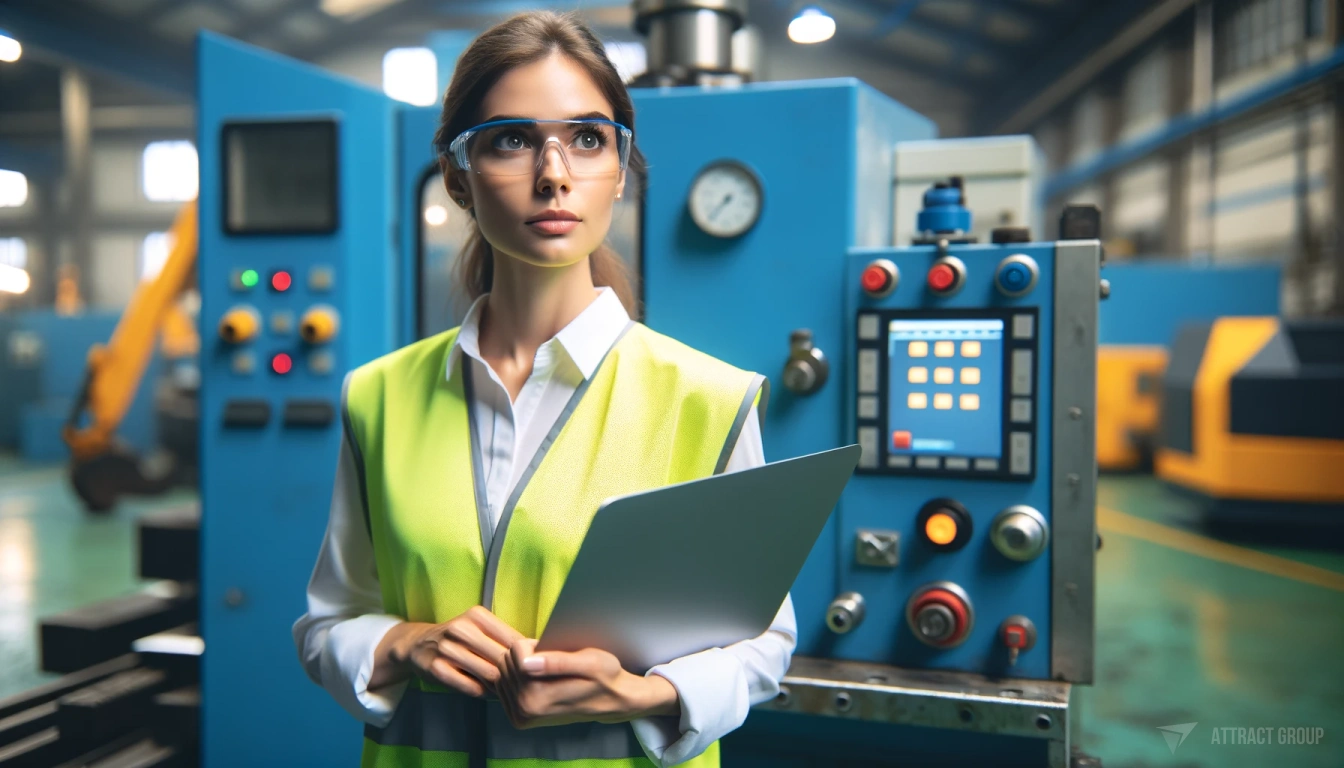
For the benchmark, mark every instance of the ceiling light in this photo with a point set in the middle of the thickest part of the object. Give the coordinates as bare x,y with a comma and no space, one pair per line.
811,26
10,50
13,279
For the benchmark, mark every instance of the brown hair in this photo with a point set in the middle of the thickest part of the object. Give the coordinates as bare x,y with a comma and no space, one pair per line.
521,40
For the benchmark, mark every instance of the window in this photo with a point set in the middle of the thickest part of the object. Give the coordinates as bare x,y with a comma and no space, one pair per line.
411,75
13,252
169,172
13,189
1249,33
153,253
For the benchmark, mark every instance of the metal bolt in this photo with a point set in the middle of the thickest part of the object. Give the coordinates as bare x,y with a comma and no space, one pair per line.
233,597
1075,412
966,715
1105,288
785,696
1043,722
843,701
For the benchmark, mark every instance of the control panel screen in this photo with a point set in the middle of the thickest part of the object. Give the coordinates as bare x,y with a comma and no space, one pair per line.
280,178
945,387
948,392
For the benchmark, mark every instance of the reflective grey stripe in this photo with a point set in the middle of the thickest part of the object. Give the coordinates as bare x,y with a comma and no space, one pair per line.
437,722
354,449
578,741
497,546
757,382
477,471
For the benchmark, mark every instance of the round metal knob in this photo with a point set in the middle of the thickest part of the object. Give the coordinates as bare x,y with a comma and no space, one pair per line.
807,368
935,622
940,614
1019,533
845,613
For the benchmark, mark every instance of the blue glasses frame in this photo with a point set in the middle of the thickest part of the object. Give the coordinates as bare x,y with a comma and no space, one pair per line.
457,149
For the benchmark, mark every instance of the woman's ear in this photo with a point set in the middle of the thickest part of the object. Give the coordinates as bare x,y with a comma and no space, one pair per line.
455,183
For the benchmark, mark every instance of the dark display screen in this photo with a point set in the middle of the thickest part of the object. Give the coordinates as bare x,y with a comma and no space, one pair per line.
280,178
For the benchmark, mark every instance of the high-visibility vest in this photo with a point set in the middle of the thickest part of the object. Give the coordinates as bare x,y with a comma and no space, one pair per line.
654,413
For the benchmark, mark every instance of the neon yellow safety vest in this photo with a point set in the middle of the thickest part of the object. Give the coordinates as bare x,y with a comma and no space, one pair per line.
654,413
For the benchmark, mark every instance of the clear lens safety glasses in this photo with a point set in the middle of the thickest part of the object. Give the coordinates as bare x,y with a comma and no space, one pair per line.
516,147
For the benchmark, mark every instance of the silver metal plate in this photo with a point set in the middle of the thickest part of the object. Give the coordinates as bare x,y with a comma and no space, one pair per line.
868,327
1074,479
928,462
958,701
957,463
987,465
877,548
901,462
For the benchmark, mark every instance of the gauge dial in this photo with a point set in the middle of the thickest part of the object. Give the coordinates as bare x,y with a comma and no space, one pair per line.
725,199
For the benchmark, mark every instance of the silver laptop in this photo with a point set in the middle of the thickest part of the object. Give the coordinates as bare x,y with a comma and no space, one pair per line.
697,565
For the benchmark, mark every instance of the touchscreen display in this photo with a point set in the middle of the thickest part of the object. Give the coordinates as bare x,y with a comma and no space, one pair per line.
945,387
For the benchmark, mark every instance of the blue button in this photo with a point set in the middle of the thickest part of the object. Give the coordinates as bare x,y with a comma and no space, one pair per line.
1015,277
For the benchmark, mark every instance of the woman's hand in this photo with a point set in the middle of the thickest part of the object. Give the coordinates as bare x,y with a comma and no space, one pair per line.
463,654
554,688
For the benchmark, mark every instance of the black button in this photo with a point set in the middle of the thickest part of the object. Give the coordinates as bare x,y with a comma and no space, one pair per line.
247,413
309,413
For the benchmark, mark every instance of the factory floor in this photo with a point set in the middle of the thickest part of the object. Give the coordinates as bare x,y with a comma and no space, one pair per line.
1190,629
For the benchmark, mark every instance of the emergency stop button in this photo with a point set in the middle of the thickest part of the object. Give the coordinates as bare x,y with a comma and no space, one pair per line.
940,614
946,276
1016,275
880,278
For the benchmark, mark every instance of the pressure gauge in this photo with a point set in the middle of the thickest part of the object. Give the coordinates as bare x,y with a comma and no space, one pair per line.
725,199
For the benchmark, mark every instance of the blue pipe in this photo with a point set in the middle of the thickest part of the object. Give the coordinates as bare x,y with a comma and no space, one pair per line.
1187,125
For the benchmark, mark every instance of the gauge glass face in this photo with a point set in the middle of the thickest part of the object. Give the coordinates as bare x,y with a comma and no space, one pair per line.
725,200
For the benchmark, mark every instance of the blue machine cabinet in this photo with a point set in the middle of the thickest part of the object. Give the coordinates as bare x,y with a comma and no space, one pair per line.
311,251
296,265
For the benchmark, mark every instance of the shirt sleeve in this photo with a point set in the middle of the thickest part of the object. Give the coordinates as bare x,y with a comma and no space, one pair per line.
337,637
717,688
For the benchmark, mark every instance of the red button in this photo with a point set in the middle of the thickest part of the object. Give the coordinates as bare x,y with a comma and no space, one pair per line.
941,277
282,363
281,281
875,279
1014,637
900,440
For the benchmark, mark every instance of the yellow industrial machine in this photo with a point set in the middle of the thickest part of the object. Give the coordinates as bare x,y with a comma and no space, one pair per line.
102,467
1253,416
1129,388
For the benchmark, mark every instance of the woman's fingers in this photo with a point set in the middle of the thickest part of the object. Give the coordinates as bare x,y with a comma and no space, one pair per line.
443,671
493,627
469,660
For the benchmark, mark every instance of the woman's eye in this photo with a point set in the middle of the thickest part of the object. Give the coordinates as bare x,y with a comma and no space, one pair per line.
509,141
589,141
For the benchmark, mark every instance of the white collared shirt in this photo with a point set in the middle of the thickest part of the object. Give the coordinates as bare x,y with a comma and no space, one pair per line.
337,637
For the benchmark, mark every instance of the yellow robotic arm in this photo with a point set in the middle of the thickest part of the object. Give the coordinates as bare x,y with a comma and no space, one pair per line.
115,370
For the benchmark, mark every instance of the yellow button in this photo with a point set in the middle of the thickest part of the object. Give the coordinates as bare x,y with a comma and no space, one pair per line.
970,375
944,348
942,401
942,375
919,375
319,325
970,349
970,402
940,528
919,349
917,401
239,325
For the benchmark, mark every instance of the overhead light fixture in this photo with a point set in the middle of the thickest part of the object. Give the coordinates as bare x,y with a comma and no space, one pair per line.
13,279
10,50
812,25
351,10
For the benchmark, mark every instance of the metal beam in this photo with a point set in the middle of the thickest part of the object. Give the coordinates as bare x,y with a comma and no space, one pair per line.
1187,126
964,41
366,28
1078,74
147,118
100,42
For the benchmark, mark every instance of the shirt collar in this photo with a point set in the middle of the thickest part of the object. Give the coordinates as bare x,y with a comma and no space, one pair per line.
586,339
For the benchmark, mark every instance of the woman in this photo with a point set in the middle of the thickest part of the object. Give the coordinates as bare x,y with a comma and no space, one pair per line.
474,460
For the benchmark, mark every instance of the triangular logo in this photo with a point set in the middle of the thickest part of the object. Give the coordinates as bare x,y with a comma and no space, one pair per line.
1175,734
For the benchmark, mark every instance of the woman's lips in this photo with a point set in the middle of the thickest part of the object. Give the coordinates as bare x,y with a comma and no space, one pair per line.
554,226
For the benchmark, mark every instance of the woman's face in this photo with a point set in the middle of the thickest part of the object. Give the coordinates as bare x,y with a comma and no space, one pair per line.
508,207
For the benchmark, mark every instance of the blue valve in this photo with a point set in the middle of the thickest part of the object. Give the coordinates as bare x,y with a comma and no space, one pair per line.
1016,275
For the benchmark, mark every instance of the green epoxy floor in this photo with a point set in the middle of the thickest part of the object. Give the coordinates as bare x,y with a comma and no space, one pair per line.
1187,632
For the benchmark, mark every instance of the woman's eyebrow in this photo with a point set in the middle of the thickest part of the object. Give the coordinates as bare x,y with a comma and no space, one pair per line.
584,116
